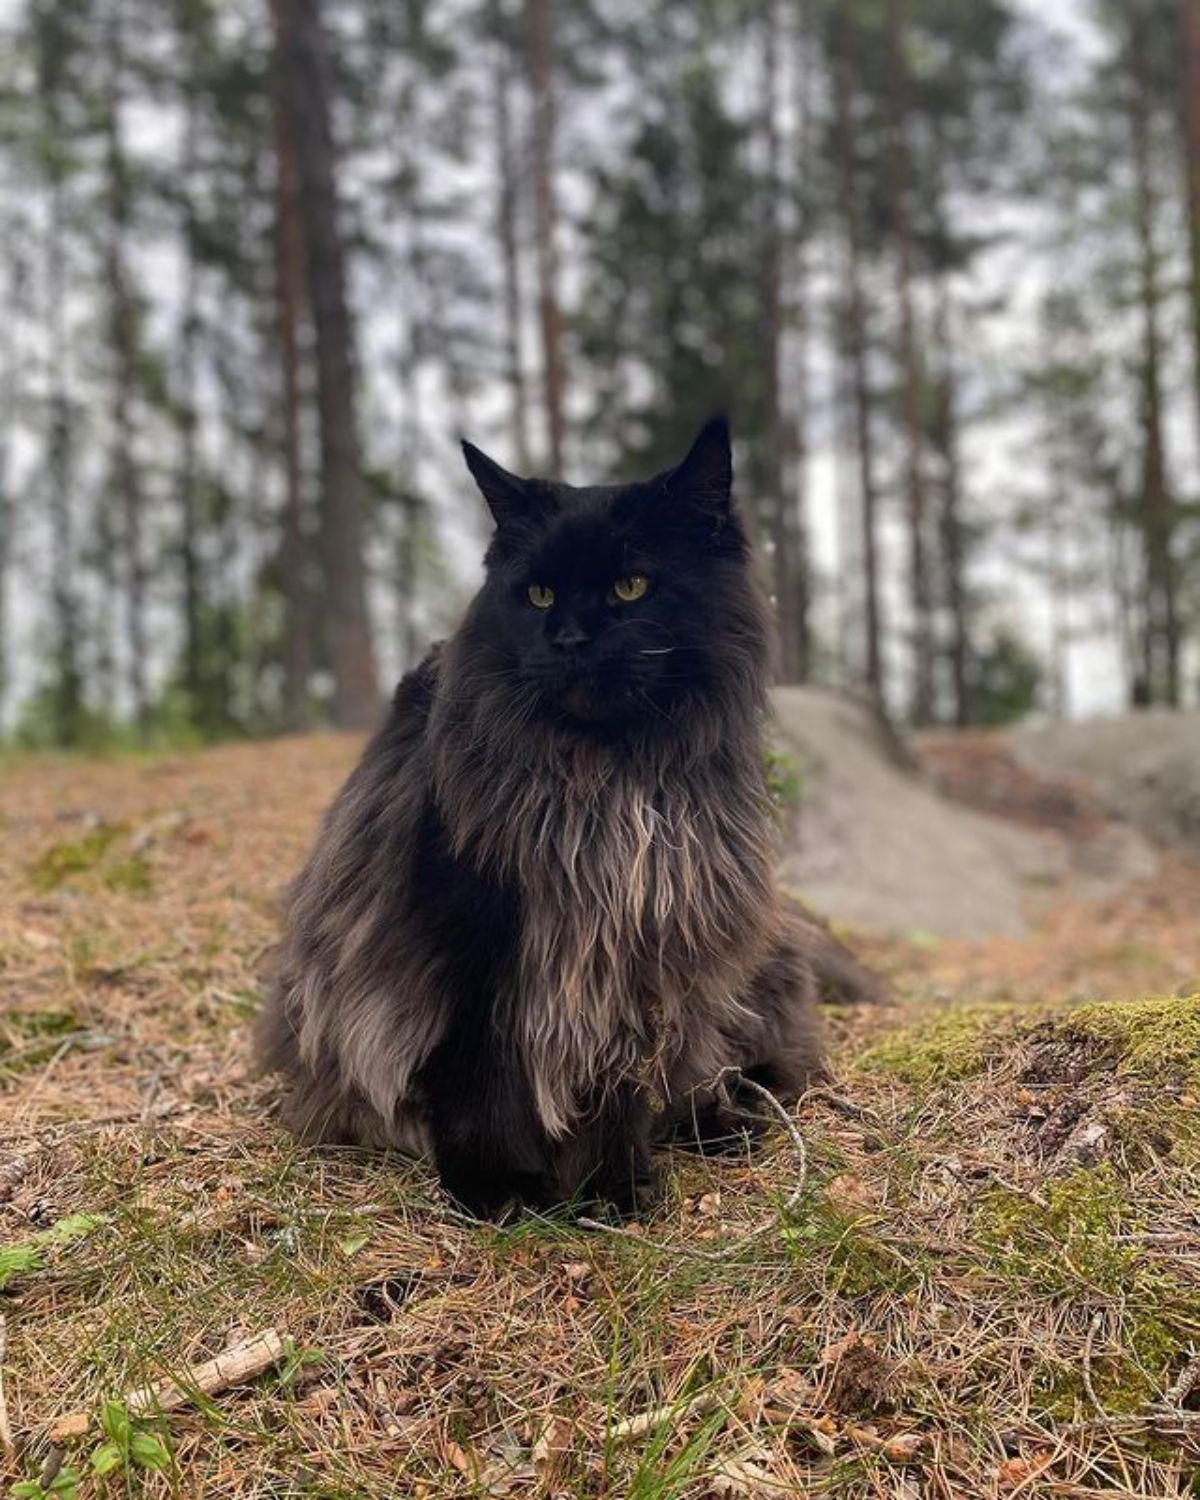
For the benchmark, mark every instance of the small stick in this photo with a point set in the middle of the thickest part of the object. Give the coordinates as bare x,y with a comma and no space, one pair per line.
6,1437
1185,1383
240,1362
647,1421
1093,1328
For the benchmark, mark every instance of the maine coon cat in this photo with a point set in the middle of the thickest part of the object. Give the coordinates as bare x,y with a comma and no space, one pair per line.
539,919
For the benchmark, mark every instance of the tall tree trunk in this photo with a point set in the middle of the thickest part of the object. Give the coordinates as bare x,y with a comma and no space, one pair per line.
508,177
856,346
801,299
1161,643
67,686
539,16
68,680
125,470
8,365
780,491
290,254
1189,14
303,50
910,368
189,497
945,436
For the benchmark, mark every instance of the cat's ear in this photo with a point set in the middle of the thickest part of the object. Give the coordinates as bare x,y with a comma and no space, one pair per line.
507,496
704,479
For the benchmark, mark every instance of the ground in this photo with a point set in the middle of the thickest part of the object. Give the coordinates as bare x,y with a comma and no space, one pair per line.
975,1272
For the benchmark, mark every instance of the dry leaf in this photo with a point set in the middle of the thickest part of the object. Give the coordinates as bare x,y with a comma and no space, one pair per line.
551,1443
1015,1471
457,1457
847,1188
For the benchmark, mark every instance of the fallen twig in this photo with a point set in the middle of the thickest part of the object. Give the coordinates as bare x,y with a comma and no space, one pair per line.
6,1438
1093,1328
648,1421
239,1362
1184,1384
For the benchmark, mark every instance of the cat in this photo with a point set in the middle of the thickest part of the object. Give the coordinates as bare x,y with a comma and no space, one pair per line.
539,919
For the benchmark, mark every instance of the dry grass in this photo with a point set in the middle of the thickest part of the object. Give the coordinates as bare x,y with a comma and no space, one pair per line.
989,1287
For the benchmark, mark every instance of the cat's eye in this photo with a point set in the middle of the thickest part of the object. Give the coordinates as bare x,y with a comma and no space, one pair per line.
539,596
629,589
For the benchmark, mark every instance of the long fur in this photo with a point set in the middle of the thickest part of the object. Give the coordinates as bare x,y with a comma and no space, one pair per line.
528,949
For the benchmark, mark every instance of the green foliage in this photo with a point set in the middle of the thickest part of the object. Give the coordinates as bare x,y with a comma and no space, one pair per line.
296,1359
784,778
1005,677
29,1256
130,1444
64,1486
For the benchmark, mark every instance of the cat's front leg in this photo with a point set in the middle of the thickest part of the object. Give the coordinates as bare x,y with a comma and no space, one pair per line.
607,1159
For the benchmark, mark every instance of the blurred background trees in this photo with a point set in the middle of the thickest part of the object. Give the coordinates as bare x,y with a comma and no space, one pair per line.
262,261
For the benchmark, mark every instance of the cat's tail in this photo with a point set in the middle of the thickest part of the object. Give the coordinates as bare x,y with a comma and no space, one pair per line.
840,977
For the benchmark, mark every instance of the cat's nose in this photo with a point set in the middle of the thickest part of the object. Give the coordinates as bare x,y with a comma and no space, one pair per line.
569,635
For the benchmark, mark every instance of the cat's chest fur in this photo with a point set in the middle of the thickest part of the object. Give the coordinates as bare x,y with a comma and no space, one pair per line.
642,913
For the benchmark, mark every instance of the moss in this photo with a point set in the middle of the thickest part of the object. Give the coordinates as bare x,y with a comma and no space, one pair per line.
36,1023
130,875
1155,1038
1072,1236
56,865
1126,1378
946,1047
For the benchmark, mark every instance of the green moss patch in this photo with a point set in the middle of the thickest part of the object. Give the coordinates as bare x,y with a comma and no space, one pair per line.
945,1047
1154,1039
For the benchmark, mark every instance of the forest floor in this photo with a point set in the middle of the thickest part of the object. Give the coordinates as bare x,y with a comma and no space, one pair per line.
979,1277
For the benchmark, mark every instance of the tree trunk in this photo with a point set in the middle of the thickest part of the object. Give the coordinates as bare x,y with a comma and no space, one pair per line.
856,345
1161,635
945,436
780,491
1189,14
125,470
302,48
290,254
189,500
540,29
801,298
508,178
8,368
68,681
910,370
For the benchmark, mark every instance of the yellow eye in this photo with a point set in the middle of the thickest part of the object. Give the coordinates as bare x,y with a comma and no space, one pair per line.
631,588
539,597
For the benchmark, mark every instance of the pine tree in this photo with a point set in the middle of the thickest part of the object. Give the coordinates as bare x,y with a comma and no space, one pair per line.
303,49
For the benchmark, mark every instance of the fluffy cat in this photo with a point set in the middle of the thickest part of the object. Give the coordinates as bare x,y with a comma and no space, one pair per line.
539,918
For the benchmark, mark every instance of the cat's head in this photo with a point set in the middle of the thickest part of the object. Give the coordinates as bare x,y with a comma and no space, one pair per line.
609,605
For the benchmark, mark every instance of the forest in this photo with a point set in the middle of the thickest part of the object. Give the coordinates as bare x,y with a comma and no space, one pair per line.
262,264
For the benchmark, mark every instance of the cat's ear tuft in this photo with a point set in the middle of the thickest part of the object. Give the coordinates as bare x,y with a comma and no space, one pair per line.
507,496
705,477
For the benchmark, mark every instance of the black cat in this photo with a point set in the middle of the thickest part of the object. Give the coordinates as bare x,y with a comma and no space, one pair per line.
540,918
